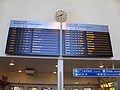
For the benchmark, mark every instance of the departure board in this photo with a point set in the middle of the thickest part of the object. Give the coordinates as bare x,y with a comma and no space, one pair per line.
43,38
30,38
86,40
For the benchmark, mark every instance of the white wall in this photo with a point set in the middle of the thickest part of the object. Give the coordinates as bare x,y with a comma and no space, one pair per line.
80,11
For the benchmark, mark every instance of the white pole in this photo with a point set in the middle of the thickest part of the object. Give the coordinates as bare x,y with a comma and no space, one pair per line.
60,63
60,74
61,39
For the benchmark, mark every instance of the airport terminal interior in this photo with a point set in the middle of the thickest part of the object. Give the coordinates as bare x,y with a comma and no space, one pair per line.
44,76
59,45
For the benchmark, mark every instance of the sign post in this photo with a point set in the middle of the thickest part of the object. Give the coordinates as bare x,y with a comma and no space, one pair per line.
60,16
60,63
60,73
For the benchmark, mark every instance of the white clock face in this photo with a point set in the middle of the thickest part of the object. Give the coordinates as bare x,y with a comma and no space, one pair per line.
61,16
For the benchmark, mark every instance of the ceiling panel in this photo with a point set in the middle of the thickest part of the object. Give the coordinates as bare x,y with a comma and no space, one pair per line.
48,65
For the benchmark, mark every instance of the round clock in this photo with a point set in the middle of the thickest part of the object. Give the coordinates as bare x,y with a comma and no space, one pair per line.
61,16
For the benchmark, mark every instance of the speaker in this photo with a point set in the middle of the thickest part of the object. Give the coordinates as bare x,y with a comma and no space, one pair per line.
30,71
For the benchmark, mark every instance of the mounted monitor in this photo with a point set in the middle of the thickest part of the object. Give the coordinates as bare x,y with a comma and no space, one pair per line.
33,38
43,38
86,40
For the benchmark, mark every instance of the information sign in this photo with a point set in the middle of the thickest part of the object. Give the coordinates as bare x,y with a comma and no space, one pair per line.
92,72
43,38
33,38
86,40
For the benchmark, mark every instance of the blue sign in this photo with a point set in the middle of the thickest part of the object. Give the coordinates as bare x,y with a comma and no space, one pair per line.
92,72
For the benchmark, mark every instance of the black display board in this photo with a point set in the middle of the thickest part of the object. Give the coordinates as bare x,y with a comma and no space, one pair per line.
32,41
38,38
86,40
86,43
27,38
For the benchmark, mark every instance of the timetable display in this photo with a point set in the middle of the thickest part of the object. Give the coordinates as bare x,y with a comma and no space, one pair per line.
43,38
29,40
86,40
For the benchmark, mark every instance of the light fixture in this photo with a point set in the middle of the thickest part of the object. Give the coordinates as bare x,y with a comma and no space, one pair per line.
54,72
19,70
11,63
101,66
34,88
102,86
56,65
76,82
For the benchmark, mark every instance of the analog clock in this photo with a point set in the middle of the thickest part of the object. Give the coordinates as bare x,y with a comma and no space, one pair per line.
61,16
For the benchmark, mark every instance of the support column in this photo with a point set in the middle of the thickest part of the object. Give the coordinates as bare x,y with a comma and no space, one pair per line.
60,63
60,74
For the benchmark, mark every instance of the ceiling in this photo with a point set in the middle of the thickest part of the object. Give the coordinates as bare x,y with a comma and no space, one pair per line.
48,65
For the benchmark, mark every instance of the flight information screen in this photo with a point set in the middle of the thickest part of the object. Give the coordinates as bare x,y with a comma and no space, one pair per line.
86,40
32,40
42,38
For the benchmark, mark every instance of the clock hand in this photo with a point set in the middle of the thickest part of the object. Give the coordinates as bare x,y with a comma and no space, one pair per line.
60,15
